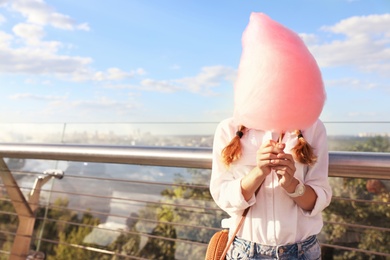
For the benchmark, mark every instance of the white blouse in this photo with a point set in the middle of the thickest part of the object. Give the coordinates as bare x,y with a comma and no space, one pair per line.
274,218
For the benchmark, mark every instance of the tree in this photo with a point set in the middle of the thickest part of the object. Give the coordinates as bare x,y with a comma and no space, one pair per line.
8,224
75,236
373,144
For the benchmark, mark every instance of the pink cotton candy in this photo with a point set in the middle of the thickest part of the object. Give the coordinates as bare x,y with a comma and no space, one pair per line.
279,85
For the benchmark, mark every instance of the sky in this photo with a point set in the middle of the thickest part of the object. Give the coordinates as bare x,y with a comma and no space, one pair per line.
176,61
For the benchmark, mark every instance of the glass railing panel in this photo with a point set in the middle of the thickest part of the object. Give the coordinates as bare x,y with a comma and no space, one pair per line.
341,135
111,209
195,134
143,211
357,218
357,128
31,133
361,137
104,208
142,134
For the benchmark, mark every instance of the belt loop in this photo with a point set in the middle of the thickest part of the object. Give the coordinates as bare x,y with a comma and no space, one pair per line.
277,252
251,249
299,249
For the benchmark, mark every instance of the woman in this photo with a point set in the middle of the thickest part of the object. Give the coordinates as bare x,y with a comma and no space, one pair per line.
253,151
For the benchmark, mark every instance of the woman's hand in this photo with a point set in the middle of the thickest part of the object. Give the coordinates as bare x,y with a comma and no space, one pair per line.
269,156
266,153
284,166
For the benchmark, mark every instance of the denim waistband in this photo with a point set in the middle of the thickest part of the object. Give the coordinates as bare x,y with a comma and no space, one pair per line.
280,250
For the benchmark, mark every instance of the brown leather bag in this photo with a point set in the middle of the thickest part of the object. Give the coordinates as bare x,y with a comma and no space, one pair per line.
219,244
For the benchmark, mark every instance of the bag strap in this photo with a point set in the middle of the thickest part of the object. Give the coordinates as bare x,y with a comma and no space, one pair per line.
230,242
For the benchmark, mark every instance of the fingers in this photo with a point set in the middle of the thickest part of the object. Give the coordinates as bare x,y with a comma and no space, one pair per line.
265,160
273,146
284,169
271,156
284,162
270,149
283,159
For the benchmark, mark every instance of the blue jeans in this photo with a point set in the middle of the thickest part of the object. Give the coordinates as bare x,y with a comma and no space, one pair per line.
245,250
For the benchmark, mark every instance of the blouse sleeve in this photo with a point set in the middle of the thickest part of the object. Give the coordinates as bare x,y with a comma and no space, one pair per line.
225,187
317,175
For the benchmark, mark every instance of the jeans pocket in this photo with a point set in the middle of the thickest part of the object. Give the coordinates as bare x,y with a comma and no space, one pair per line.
239,250
313,252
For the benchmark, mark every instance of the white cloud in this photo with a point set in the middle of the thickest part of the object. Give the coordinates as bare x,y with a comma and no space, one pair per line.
117,74
358,26
30,33
26,52
38,12
90,109
361,41
203,83
119,86
111,74
79,109
309,39
37,81
354,83
21,96
207,79
2,18
39,61
31,36
166,86
5,40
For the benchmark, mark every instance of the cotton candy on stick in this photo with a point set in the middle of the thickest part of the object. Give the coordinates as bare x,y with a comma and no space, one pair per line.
279,85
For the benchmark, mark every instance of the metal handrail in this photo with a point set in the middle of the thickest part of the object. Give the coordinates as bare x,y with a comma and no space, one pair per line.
341,164
154,156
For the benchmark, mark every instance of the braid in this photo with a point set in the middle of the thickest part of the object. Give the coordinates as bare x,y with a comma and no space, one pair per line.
232,151
304,151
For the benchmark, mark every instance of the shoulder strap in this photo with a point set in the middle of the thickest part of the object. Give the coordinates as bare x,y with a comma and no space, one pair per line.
230,242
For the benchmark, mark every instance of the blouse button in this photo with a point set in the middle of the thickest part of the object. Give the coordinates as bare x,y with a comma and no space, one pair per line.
281,250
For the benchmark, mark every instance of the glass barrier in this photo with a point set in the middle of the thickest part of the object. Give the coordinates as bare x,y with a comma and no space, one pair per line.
357,218
187,134
99,210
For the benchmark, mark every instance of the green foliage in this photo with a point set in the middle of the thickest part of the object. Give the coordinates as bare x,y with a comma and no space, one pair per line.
373,144
157,248
67,234
75,236
53,229
8,224
127,244
360,144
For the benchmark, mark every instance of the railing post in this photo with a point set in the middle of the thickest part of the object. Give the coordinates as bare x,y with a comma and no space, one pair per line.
22,241
25,210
